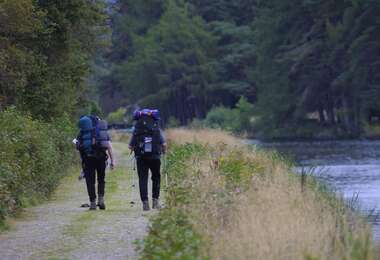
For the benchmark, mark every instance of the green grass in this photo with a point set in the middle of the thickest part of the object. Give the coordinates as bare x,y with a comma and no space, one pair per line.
4,226
80,224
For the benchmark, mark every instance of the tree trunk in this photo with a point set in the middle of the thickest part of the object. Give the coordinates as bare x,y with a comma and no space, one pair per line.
330,111
321,111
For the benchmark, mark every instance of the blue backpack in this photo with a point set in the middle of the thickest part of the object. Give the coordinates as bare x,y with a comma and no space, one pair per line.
86,136
93,136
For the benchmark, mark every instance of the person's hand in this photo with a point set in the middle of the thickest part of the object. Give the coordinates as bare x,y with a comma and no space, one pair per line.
164,148
112,165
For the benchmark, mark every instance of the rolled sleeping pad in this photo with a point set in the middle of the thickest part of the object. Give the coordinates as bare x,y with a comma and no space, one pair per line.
103,137
154,113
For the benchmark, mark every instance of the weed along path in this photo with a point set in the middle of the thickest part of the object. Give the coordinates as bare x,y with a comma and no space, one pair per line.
60,229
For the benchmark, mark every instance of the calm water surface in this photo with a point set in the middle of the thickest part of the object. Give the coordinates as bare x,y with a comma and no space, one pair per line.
350,167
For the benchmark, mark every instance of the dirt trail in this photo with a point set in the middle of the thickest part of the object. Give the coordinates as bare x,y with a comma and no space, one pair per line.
60,229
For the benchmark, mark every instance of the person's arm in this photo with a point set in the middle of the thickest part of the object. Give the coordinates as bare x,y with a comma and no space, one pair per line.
110,154
163,141
132,142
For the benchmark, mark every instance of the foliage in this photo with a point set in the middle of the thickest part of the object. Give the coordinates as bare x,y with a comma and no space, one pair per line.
298,60
173,122
171,234
224,118
34,157
175,61
237,120
169,59
171,237
117,117
45,47
317,57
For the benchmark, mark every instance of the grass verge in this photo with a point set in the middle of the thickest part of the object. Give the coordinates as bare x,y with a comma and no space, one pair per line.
226,200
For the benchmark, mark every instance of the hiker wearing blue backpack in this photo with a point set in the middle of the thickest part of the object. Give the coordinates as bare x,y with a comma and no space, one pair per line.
148,143
95,148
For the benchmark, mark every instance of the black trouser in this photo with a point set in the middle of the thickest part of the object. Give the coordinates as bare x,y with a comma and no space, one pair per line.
143,167
95,167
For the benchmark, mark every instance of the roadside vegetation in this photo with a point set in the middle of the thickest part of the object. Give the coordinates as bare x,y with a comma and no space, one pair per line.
34,157
45,53
226,200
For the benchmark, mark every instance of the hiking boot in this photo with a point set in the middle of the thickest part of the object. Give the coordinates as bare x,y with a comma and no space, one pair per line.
156,204
146,205
81,176
93,205
101,204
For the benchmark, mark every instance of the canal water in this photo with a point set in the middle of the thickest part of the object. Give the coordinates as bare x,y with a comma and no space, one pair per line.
352,168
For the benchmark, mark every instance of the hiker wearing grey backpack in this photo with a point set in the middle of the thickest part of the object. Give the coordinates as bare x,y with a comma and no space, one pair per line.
148,143
95,148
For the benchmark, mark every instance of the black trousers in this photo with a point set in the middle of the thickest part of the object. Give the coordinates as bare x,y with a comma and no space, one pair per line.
143,167
95,168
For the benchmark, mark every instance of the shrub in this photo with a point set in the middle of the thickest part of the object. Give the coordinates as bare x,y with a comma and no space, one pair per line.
223,118
117,117
34,157
173,122
237,120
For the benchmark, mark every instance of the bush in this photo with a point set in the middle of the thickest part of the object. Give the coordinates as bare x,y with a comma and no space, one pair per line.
117,117
173,122
223,118
237,120
172,236
34,157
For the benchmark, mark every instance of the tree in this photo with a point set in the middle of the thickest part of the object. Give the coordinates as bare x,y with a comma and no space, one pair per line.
168,65
45,50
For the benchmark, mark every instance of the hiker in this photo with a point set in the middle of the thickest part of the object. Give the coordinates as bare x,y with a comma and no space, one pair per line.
148,143
95,148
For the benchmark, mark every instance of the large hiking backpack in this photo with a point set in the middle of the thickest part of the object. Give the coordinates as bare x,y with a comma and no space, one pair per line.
147,133
86,136
93,136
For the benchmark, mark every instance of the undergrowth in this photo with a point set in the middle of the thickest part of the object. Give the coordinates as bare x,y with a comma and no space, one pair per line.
34,157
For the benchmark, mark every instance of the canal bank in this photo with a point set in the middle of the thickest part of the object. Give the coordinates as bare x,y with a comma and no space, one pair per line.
227,200
351,168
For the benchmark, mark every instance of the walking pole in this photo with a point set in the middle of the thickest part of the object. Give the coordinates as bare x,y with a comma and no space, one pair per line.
133,185
165,172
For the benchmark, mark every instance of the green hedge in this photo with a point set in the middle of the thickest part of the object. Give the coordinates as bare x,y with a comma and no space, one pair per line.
34,157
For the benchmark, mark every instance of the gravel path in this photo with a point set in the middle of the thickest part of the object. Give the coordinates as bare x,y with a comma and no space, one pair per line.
60,229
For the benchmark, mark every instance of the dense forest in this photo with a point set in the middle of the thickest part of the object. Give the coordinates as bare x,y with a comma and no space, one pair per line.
310,67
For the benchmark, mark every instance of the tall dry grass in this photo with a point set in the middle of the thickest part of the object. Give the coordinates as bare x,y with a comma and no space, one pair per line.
202,136
272,215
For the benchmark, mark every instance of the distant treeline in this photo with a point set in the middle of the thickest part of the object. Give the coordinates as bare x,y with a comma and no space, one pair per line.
306,64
